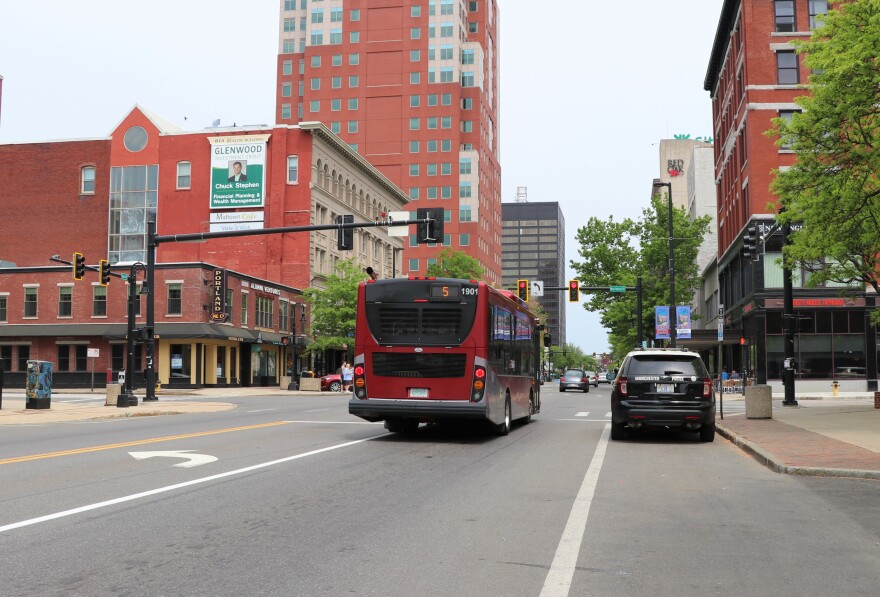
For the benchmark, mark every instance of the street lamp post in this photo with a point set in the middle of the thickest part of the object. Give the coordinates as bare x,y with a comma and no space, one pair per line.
672,315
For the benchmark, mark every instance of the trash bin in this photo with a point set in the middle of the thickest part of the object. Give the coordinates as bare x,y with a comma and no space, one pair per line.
38,390
759,402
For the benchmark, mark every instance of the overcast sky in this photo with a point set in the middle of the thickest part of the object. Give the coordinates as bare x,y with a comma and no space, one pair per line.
587,88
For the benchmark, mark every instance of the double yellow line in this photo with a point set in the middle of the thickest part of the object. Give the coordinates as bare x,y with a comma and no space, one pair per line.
139,442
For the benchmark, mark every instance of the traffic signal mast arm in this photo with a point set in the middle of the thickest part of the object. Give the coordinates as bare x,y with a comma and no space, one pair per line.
93,268
195,236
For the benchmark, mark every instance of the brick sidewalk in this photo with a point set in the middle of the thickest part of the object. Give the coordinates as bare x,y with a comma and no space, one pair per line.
788,449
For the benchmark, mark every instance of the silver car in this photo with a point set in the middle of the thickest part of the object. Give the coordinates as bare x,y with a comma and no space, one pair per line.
574,379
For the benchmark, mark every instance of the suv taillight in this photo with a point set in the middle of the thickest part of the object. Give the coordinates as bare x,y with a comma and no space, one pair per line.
621,387
707,387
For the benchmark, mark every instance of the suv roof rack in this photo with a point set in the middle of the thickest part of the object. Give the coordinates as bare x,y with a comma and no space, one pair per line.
664,348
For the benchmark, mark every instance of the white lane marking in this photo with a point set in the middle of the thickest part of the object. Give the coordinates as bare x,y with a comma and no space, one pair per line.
558,581
608,414
262,410
585,420
191,459
167,488
316,410
583,414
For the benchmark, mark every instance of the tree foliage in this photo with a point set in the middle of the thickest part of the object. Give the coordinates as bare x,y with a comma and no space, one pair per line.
334,307
574,357
833,188
456,264
618,253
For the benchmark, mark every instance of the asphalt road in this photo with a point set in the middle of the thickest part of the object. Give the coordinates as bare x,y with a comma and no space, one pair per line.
293,496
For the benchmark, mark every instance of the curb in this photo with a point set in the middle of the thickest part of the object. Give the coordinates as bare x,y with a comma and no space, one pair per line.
769,460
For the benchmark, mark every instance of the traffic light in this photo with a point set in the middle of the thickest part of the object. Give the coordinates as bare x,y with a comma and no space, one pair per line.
104,269
286,341
750,242
574,291
431,232
345,236
548,339
144,334
79,266
522,289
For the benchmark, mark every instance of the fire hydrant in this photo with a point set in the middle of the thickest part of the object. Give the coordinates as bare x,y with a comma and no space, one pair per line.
834,386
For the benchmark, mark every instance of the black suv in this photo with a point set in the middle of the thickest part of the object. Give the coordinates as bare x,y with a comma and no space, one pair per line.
663,388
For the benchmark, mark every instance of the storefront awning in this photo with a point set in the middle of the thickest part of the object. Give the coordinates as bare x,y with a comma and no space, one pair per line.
118,331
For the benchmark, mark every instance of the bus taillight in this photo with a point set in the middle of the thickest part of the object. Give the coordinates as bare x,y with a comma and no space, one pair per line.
359,370
360,382
479,385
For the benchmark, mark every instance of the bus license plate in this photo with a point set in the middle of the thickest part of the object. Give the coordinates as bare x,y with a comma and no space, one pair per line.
418,392
666,388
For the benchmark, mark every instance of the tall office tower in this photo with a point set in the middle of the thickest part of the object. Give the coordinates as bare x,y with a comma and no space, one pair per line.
412,86
534,249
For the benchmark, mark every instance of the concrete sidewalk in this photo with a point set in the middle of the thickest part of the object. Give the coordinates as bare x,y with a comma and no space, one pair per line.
835,436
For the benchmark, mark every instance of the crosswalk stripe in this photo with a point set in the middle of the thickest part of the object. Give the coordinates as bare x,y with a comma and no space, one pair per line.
582,414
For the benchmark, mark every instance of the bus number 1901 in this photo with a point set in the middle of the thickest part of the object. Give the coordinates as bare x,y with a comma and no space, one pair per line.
469,291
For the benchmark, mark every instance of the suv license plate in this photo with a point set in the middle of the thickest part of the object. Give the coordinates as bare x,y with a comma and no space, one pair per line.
666,388
418,392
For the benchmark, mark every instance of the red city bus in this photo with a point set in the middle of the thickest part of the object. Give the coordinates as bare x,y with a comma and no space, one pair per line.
440,348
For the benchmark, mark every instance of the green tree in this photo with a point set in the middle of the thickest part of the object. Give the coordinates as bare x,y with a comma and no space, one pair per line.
833,187
334,307
456,264
617,253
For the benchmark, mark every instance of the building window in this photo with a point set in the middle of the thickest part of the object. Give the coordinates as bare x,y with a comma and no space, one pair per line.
432,192
183,175
244,309
354,37
335,36
413,169
287,67
415,33
472,6
30,302
336,60
415,78
785,16
446,122
817,9
414,147
285,111
413,265
415,55
87,186
464,214
336,82
336,15
446,73
355,15
283,316
432,122
335,104
414,101
315,106
472,27
288,47
99,301
63,357
446,145
292,169
315,84
354,59
464,190
265,308
354,81
174,299
446,192
464,166
414,193
335,127
229,297
134,192
467,79
467,126
65,301
787,68
415,11
352,103
785,114
352,126
4,313
432,145
467,103
432,99
414,124
317,38
317,15
446,98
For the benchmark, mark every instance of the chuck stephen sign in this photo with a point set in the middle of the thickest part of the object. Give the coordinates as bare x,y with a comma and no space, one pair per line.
218,296
238,171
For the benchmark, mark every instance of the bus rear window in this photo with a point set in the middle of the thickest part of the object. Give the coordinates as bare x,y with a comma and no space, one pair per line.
420,323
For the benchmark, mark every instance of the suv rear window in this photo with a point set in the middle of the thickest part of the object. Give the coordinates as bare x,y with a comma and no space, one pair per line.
666,365
574,373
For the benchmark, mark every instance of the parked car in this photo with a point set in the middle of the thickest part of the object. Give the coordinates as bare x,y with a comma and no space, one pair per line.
663,388
606,377
331,383
593,377
574,379
850,372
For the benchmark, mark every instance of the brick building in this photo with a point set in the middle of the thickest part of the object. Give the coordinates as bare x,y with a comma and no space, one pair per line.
754,76
412,87
94,196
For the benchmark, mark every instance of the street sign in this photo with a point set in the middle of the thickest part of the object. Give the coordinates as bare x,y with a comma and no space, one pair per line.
537,288
124,276
617,288
93,353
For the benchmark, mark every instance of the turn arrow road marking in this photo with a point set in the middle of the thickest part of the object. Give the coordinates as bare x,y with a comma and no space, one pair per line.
193,459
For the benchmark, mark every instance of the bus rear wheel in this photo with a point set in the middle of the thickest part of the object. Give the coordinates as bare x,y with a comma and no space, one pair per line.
504,427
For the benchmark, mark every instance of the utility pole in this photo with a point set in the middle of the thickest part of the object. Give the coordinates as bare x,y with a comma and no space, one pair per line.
788,322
